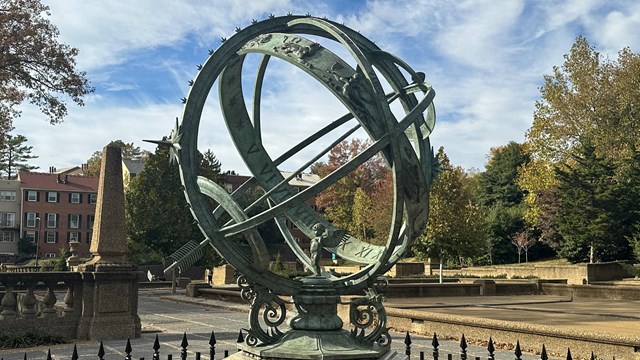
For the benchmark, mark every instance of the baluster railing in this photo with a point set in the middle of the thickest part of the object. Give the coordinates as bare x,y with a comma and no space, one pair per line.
49,300
8,301
29,302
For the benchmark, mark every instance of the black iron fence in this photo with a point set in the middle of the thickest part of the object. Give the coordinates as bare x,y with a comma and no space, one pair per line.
433,353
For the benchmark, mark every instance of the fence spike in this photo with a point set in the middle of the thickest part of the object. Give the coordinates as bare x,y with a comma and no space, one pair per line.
101,351
184,345
463,348
212,345
127,350
518,351
491,349
569,357
156,349
435,345
240,337
543,354
407,344
49,354
593,356
25,356
74,355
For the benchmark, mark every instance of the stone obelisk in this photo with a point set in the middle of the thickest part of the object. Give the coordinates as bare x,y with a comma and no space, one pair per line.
109,241
110,291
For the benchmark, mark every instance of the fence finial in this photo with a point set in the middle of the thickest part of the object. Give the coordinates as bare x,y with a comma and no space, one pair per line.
212,345
101,351
463,348
518,351
491,349
184,345
74,355
407,344
49,354
156,349
543,354
569,357
128,349
240,337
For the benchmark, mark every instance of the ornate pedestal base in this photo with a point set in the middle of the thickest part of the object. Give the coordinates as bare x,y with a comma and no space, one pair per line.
317,330
312,345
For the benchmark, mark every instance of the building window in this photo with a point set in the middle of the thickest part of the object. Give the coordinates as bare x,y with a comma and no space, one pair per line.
50,255
31,219
74,236
90,219
52,220
93,198
32,195
8,219
89,237
75,198
7,196
52,196
74,221
30,236
51,237
8,236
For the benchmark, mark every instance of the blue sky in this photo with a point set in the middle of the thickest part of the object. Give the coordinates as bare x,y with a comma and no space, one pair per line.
485,59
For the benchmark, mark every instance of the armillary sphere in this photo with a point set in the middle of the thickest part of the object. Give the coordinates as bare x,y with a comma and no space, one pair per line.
403,143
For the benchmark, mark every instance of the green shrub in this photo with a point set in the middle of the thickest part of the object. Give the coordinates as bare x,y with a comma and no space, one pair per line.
12,341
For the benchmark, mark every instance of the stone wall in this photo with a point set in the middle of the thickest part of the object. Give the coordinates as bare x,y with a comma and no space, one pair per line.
574,274
616,292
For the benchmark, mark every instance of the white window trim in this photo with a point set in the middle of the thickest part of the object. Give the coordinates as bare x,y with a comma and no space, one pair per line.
34,193
77,198
49,196
77,222
55,221
46,237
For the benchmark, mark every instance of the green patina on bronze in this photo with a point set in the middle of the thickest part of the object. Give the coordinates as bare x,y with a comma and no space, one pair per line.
404,144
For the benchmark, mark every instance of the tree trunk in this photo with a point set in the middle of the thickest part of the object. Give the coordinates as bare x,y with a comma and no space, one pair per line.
440,275
526,256
592,253
519,254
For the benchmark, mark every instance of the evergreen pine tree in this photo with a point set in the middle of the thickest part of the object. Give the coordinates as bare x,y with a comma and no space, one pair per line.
14,156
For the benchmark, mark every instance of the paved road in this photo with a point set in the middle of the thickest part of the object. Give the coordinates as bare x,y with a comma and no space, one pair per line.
170,317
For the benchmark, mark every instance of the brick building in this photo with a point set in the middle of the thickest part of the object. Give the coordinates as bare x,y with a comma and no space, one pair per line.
56,209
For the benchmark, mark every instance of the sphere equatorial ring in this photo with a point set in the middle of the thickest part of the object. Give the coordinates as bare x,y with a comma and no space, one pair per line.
404,144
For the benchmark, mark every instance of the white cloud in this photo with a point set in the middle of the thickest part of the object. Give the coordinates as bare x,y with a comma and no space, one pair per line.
485,60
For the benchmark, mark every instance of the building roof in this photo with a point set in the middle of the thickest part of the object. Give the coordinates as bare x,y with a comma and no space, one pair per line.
304,180
134,166
47,181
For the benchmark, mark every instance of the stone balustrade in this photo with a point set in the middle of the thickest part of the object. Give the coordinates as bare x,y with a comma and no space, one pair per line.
66,303
30,304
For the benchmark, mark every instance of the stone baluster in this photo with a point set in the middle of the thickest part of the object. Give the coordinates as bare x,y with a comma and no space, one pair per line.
68,297
49,300
8,301
29,302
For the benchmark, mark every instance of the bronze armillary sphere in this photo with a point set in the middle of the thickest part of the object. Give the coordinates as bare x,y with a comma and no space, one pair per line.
404,144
